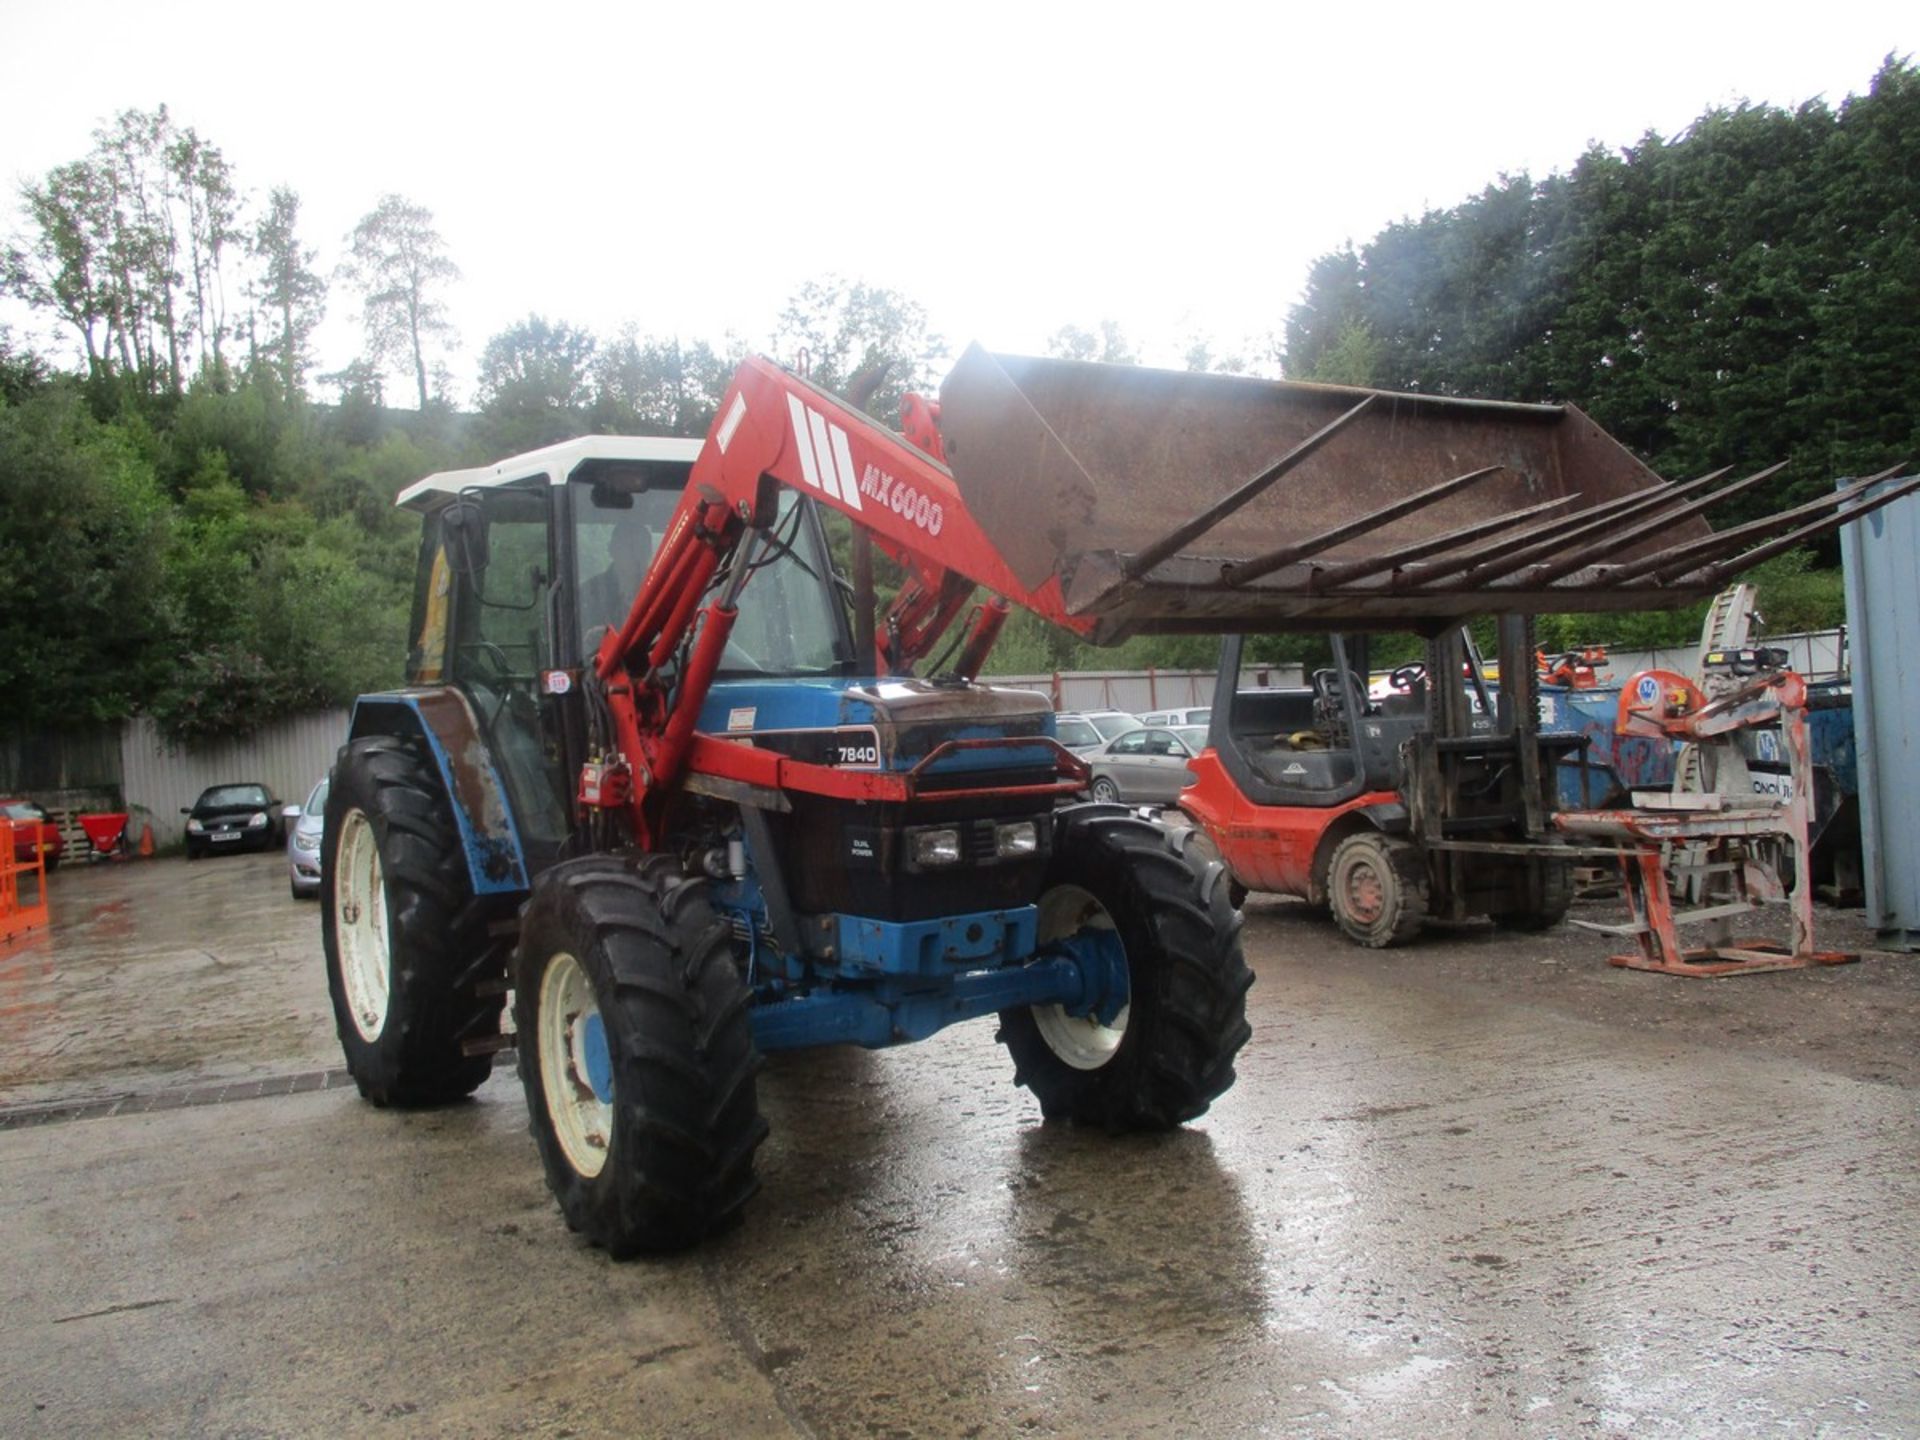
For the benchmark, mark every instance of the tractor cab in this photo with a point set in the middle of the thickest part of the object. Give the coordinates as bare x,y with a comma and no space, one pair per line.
524,567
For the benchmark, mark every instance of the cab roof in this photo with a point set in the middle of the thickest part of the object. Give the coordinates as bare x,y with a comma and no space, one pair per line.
554,463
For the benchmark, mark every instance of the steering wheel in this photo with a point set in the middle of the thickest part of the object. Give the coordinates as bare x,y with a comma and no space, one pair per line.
495,657
1406,677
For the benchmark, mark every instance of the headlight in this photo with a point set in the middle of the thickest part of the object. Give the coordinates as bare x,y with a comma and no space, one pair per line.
306,840
257,820
1021,838
936,847
194,827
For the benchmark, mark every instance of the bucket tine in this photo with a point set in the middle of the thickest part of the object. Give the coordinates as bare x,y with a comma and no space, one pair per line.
1334,576
1521,549
1144,560
1692,554
1624,540
1716,575
1266,564
1575,527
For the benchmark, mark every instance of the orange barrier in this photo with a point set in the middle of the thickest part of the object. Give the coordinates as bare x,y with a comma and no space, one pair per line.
17,916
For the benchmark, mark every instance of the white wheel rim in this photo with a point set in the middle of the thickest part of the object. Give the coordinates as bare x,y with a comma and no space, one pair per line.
1080,1041
572,1041
360,926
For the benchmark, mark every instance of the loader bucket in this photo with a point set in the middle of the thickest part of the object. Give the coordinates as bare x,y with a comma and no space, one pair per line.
1172,502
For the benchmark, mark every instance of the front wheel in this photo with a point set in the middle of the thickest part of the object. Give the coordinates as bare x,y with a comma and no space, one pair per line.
637,1054
400,929
1548,904
1377,889
1105,791
1124,889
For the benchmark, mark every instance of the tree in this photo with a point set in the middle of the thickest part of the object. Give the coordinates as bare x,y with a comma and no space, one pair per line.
105,253
289,289
398,262
658,386
535,382
845,330
1109,346
62,268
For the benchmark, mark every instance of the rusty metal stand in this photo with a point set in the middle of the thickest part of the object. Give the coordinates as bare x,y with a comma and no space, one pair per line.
1726,846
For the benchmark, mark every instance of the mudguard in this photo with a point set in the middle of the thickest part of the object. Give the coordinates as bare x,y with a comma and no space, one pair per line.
496,859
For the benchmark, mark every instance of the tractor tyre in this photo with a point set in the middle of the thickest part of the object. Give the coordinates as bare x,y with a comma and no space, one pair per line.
637,1054
400,928
1556,898
1377,889
1168,1053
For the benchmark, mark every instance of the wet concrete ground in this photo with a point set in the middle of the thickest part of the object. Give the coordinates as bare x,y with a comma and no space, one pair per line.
1484,1186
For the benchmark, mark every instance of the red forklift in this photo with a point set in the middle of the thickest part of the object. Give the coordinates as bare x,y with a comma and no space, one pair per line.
1430,797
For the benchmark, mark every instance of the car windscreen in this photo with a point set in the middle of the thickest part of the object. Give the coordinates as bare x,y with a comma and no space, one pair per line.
222,797
1112,725
317,801
1075,732
22,810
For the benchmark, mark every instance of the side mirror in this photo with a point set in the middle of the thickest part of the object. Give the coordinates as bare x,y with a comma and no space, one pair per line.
290,812
186,810
463,530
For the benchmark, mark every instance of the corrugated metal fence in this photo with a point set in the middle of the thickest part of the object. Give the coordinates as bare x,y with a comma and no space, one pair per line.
286,757
1883,611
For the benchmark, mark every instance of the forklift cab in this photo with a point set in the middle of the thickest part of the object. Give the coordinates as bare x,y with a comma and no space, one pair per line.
1320,744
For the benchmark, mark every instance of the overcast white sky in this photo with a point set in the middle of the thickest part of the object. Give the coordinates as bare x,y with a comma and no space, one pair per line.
1014,167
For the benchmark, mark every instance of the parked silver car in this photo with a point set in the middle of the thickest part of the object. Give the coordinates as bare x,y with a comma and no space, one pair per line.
1147,766
303,842
1085,731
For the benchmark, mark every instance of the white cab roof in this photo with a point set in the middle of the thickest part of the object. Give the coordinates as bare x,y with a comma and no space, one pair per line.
554,463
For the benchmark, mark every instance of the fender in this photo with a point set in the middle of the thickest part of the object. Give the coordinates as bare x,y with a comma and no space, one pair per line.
442,718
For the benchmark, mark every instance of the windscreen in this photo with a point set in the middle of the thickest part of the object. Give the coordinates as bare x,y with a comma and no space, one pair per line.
787,623
226,795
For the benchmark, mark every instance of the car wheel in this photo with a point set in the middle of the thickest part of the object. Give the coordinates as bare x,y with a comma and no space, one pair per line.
1105,791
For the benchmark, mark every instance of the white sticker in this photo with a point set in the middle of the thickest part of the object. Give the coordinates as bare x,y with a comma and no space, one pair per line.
741,719
735,415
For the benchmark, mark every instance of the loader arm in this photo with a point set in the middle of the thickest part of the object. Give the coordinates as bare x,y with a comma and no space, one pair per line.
776,430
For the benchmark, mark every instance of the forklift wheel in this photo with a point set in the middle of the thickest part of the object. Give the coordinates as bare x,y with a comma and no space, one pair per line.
1377,887
1556,892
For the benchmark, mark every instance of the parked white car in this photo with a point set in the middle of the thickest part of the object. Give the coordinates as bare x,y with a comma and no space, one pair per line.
1191,715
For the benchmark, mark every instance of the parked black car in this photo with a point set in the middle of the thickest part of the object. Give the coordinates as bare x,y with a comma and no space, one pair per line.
233,817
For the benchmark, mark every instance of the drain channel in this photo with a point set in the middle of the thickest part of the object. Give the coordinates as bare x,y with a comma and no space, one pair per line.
59,1112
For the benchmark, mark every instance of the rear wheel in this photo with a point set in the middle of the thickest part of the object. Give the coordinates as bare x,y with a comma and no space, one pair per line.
1127,892
636,1050
400,929
1377,888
